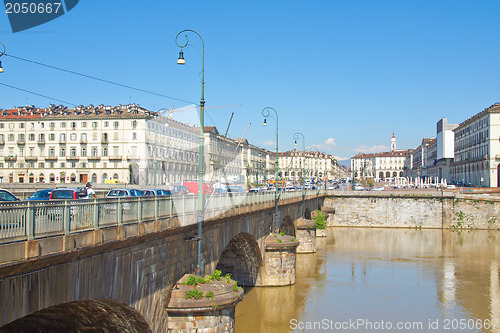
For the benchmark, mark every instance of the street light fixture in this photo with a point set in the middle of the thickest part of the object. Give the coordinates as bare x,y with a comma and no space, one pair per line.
266,113
317,186
296,137
181,61
1,54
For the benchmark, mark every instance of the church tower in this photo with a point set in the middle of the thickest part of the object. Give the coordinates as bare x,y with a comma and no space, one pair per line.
393,143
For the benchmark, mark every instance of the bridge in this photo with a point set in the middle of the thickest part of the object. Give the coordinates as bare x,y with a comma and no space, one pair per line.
114,262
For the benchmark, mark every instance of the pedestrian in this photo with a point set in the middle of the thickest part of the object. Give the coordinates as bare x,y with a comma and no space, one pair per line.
90,191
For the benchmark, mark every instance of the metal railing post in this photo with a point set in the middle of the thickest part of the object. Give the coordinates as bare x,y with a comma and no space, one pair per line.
119,211
156,208
95,215
139,209
66,217
30,221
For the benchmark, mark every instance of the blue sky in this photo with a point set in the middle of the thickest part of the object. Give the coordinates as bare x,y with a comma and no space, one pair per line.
346,74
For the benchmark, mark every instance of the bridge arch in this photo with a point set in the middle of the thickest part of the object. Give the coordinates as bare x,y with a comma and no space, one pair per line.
80,316
287,227
242,258
307,213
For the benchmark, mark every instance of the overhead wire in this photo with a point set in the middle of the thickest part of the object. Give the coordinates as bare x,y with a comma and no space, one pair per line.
37,94
98,79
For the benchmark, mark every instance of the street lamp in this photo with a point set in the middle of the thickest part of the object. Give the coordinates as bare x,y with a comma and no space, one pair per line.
296,137
317,186
181,61
1,54
266,113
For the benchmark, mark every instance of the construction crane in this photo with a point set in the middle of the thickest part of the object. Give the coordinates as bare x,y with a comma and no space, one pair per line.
171,111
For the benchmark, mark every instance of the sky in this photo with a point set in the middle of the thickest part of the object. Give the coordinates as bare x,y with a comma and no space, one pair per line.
345,74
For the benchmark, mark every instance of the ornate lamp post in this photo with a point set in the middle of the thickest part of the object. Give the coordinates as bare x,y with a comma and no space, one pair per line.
296,137
1,54
181,61
317,185
266,113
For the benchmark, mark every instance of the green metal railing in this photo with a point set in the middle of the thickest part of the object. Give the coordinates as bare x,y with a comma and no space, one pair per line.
27,220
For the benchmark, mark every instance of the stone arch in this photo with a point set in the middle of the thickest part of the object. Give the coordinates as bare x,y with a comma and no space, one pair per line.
307,213
287,227
387,174
401,174
394,174
81,316
380,174
242,258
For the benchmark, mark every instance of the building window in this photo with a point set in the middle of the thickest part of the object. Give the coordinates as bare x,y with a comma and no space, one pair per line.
84,152
73,136
41,165
21,125
106,124
52,152
72,152
63,165
104,151
134,136
73,125
115,124
94,124
52,125
62,152
84,124
32,137
94,152
63,124
11,137
52,137
134,124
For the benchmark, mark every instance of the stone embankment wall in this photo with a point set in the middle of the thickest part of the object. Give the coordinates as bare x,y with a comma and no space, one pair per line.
413,211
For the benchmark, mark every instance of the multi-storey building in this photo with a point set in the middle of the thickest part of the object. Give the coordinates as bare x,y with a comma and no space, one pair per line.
101,144
317,165
477,149
259,163
416,162
380,165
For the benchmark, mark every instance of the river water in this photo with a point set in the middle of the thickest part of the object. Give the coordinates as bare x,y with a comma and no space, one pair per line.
379,280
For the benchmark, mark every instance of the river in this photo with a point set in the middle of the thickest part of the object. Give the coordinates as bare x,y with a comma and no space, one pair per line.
378,280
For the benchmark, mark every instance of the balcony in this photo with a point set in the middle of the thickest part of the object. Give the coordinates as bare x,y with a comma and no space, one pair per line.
51,158
21,141
41,141
72,158
115,157
31,158
83,141
104,141
133,157
62,141
94,158
10,158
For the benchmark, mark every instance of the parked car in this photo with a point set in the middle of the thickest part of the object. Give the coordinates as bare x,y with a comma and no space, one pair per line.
65,193
148,192
235,189
7,196
359,188
180,190
40,195
379,188
254,190
451,187
123,192
162,192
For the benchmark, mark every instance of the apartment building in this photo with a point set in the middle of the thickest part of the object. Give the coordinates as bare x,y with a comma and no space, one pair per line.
317,165
477,149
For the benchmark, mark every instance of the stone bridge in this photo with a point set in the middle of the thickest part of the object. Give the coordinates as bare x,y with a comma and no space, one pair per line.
120,278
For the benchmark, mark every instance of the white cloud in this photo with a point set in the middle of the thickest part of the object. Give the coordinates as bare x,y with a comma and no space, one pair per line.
328,144
269,143
338,158
372,149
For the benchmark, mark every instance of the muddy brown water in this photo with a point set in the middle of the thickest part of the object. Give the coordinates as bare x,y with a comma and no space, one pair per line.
379,280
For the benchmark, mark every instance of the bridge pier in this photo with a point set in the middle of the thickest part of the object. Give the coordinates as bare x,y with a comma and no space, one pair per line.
212,312
306,235
279,260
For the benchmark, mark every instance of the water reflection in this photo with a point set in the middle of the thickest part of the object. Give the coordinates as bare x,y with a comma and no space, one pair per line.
394,275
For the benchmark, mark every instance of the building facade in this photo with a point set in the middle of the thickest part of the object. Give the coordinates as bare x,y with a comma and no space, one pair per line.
380,166
316,164
126,144
477,149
